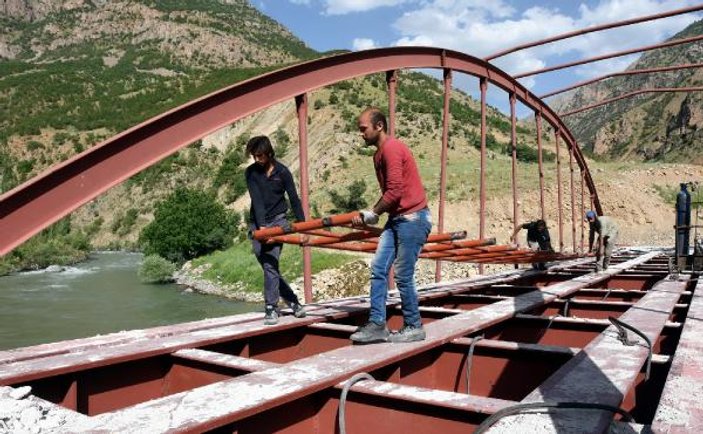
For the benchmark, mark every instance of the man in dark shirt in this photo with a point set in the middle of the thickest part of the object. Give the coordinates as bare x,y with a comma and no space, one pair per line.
537,239
268,181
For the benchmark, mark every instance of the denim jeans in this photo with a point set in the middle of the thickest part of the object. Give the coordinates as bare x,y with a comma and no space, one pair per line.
267,255
401,242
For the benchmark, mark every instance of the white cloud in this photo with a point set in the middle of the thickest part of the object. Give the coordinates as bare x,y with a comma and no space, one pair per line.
480,27
300,2
359,44
341,7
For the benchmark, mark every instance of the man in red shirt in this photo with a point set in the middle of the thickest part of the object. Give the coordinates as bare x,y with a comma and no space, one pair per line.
403,236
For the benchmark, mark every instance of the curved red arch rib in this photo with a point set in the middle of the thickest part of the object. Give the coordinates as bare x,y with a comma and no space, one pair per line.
41,201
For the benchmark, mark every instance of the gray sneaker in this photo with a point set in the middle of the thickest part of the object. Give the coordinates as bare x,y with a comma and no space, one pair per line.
271,316
408,334
370,333
298,310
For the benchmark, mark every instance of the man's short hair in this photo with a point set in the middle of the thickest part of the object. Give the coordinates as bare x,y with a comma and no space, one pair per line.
541,222
376,116
260,145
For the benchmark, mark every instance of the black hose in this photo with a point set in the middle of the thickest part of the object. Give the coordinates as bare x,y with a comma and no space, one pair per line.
622,336
508,411
469,358
343,400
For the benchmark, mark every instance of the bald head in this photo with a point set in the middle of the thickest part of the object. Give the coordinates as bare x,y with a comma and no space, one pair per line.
376,117
372,126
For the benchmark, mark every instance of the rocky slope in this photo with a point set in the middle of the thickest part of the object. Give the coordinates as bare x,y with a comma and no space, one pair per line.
649,127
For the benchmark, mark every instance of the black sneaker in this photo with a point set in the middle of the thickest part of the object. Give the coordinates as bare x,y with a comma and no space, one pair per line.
370,333
408,334
298,310
271,315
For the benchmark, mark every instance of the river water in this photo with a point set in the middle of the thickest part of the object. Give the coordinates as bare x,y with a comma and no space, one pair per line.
101,295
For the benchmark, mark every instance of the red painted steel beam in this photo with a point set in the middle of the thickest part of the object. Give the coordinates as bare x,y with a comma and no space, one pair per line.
596,28
392,82
45,360
41,201
583,212
333,220
513,141
623,73
610,56
260,391
464,252
483,85
573,200
540,165
443,161
301,105
604,371
560,217
679,407
631,94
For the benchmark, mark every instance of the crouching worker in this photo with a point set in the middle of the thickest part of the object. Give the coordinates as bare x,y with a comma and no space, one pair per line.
537,239
405,233
607,232
268,181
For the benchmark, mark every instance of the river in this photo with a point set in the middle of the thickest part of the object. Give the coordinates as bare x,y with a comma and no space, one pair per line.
101,295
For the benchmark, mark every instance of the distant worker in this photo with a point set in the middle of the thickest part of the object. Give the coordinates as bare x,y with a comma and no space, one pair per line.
409,224
607,232
537,239
268,181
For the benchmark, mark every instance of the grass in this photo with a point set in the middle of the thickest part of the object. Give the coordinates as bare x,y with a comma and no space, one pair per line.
238,264
668,194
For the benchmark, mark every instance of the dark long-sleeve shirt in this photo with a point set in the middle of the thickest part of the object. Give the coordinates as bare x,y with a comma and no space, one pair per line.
399,178
534,235
268,193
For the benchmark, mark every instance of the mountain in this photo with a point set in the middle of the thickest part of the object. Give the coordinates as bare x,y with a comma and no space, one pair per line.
648,127
77,71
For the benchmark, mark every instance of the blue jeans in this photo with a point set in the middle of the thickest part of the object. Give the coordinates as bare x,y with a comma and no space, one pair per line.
401,242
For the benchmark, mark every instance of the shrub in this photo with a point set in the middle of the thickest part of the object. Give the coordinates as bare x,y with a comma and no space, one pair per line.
156,269
187,224
354,200
283,141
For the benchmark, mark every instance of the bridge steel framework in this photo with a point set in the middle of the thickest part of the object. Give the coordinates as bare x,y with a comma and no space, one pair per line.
55,193
43,200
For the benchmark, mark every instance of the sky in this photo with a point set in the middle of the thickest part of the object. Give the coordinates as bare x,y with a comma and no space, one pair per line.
483,27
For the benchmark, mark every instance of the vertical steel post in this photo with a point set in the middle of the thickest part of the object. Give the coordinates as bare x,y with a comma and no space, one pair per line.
482,183
540,167
443,164
573,199
583,210
391,80
557,133
513,137
301,104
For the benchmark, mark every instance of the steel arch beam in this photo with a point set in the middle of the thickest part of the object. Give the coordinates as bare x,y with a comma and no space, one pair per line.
41,201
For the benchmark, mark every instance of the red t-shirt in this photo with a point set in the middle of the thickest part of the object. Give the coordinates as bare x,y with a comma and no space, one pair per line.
399,178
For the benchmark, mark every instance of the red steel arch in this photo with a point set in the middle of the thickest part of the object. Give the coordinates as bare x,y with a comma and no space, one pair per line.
41,201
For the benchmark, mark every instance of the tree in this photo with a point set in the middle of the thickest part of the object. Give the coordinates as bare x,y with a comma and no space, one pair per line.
188,224
353,201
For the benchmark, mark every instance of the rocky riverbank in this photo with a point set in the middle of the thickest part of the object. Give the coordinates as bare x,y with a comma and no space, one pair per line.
349,280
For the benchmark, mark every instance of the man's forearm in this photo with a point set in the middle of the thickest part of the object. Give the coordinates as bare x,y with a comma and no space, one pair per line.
381,207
